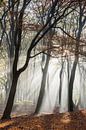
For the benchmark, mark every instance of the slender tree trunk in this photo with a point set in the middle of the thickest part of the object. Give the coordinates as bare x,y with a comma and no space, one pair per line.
68,77
60,86
42,89
71,82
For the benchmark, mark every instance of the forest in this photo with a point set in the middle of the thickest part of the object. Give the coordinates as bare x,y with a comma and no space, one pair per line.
42,64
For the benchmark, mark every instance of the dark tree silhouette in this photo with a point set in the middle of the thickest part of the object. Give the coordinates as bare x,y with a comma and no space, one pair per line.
81,23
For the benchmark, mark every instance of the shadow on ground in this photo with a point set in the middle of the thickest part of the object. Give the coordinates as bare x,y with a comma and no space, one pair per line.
65,121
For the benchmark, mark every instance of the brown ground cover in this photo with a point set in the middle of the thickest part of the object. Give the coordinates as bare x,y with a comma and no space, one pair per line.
64,121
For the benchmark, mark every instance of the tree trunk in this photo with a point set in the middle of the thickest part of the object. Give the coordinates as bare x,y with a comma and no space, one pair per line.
72,77
9,105
60,86
9,71
9,77
71,82
42,89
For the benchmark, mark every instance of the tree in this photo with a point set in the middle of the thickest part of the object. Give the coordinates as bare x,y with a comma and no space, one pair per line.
81,23
42,10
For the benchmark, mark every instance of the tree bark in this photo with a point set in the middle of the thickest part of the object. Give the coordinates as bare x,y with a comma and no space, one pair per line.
9,74
42,89
9,105
71,82
60,86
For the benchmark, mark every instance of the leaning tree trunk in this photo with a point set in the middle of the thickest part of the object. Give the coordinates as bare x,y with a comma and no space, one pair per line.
9,105
42,89
9,74
15,76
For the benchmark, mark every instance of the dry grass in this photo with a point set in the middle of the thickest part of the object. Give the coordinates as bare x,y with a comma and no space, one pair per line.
66,121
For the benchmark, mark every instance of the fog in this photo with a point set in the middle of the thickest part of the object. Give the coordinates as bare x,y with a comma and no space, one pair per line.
30,81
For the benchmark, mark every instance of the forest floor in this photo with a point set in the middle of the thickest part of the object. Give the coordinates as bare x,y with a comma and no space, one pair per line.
64,121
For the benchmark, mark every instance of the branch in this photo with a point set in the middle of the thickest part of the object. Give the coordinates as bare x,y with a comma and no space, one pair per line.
37,54
37,38
70,35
